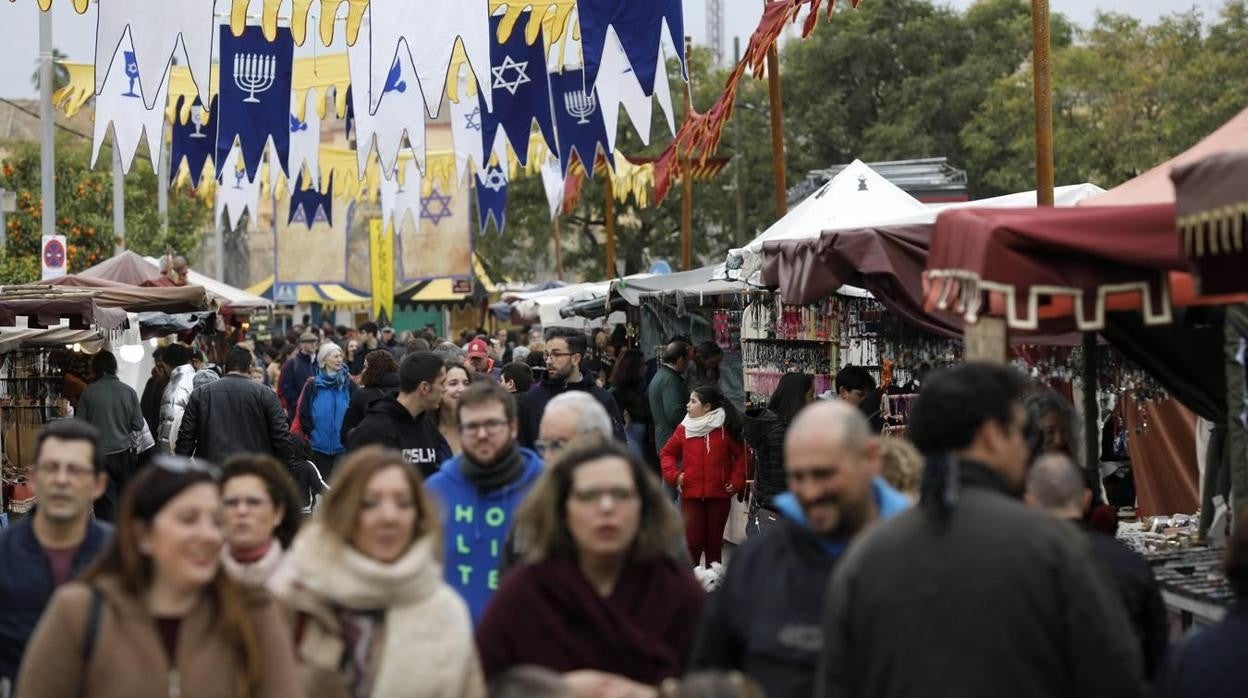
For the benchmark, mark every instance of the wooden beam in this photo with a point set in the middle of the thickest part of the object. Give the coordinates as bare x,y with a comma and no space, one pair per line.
1042,81
777,132
686,179
609,213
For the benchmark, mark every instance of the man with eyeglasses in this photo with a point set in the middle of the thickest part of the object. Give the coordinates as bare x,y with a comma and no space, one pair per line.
569,416
478,491
54,543
565,351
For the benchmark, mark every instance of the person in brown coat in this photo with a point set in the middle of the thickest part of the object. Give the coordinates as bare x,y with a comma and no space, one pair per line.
157,615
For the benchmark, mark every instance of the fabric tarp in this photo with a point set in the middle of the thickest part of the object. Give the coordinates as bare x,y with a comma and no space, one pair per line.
1078,262
118,294
126,267
77,312
330,295
1211,210
1162,446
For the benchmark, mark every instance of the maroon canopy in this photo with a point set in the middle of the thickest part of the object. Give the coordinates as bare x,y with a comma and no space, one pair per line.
1078,257
82,312
131,298
1211,210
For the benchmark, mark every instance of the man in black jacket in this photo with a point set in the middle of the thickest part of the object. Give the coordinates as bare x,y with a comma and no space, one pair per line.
57,541
973,594
234,415
764,619
1056,485
565,350
408,422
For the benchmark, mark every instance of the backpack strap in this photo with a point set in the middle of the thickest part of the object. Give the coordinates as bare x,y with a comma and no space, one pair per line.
92,628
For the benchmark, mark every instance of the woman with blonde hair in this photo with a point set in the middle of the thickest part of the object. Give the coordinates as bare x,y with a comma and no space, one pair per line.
363,581
599,590
157,614
901,465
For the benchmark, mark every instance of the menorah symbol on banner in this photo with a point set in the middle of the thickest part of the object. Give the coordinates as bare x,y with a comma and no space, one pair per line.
254,72
580,105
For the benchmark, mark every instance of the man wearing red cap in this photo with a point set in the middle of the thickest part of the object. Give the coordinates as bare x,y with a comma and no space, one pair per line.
479,357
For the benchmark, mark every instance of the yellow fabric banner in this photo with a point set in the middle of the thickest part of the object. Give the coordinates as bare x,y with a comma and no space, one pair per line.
381,260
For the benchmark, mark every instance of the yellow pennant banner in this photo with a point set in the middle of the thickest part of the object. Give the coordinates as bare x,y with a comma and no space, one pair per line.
381,262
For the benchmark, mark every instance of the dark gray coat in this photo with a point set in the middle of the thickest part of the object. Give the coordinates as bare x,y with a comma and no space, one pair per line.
999,600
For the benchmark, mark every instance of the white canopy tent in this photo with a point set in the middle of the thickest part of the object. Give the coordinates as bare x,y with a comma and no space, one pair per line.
859,197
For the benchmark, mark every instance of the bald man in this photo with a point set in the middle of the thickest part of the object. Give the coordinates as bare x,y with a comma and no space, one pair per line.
1056,485
765,619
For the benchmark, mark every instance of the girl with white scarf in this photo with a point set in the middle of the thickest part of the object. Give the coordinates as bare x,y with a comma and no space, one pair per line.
372,616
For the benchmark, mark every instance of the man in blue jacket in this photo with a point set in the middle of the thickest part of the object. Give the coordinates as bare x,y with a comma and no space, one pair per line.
765,619
298,369
478,492
55,543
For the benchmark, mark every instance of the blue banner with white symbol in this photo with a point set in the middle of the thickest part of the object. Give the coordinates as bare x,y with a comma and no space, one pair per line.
194,141
309,206
492,197
639,26
579,126
519,87
254,99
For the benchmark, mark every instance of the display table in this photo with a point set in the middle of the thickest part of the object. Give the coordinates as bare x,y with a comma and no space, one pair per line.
1193,585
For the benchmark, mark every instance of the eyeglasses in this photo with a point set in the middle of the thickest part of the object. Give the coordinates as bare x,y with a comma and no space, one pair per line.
251,502
595,495
74,470
559,354
491,427
183,465
552,446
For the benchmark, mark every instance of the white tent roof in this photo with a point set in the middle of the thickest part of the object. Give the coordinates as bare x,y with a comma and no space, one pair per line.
231,297
855,197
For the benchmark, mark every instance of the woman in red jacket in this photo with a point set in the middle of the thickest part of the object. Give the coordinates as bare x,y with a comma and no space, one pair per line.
705,459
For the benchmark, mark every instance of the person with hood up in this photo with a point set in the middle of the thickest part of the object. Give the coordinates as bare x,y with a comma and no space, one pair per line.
565,352
407,422
323,406
479,491
764,618
177,359
705,460
379,378
764,433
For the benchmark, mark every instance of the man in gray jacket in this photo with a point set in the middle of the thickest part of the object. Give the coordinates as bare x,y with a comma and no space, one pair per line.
667,392
973,594
112,407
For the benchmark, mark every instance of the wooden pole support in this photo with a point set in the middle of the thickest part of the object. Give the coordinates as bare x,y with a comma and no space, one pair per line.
1042,81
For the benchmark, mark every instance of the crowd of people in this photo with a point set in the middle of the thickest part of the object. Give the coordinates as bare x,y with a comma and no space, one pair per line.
422,517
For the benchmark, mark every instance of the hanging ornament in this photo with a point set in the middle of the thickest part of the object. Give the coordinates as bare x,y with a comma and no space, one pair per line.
400,113
237,192
121,106
255,93
155,30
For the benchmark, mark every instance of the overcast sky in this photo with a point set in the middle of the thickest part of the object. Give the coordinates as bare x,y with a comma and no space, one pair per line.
74,34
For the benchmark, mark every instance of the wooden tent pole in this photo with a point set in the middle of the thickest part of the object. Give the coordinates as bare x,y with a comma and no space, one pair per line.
1042,80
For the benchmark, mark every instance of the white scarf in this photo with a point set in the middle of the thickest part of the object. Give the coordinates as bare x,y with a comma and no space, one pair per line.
428,630
255,573
707,423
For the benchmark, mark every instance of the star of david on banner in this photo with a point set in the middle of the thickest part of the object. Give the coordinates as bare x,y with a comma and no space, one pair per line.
640,27
579,126
237,192
121,107
521,92
254,100
155,29
492,198
401,202
400,114
194,142
427,32
310,206
436,207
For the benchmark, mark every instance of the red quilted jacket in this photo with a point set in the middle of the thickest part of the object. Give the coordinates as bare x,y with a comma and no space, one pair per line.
709,463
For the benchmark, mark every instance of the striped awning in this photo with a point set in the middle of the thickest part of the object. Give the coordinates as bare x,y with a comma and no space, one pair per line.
334,295
442,290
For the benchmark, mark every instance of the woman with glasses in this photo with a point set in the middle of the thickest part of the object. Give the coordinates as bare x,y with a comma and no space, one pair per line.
458,378
156,614
599,591
371,613
260,516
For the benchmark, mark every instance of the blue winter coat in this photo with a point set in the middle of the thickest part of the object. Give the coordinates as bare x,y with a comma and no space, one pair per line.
322,413
475,526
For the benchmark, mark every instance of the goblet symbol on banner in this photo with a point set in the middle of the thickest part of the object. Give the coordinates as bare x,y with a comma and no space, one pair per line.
254,72
580,105
132,72
238,178
197,118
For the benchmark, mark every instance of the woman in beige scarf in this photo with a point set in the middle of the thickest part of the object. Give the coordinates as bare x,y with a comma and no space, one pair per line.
372,617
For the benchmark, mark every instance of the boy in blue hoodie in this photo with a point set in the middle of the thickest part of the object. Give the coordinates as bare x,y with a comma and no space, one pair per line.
479,491
766,618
